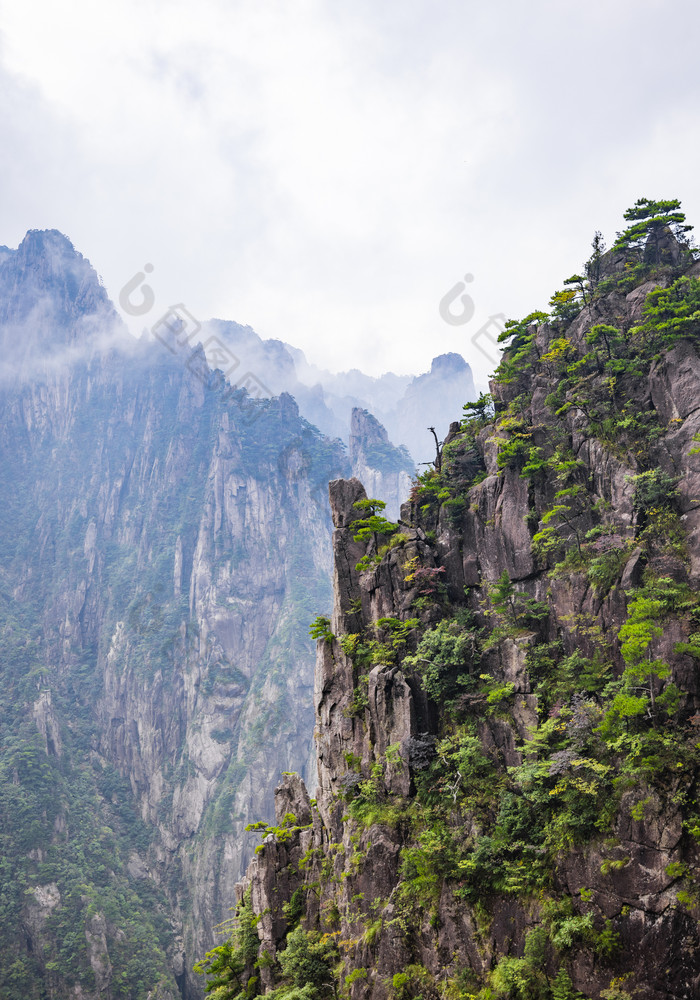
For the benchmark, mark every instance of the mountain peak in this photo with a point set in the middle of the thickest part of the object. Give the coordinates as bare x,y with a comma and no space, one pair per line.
448,364
44,241
365,429
46,280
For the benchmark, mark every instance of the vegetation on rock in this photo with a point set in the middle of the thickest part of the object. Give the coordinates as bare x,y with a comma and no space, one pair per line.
508,804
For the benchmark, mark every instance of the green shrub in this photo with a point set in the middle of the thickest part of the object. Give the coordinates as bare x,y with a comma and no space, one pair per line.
229,966
321,629
445,658
307,962
654,489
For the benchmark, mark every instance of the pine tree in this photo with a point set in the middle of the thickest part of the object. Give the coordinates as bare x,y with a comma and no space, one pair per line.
374,523
563,988
592,267
650,220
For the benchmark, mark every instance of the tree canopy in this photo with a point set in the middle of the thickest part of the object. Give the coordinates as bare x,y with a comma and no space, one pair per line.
650,221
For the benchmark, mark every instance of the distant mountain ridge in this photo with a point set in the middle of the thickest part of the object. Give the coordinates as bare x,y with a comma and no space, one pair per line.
404,404
164,546
65,305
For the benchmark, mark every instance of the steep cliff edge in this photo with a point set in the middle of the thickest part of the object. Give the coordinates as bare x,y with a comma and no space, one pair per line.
507,694
164,543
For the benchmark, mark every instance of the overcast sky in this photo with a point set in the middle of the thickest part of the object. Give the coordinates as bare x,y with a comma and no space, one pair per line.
327,171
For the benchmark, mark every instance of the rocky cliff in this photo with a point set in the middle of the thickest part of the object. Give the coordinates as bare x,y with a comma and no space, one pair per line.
385,470
164,545
507,694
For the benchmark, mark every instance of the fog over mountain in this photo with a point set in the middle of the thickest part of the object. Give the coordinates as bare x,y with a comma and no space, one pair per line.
406,406
164,546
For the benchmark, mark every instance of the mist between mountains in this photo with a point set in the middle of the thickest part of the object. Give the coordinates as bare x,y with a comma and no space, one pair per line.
177,330
202,352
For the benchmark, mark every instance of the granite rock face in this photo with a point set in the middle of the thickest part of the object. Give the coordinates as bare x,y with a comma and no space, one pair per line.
630,880
164,547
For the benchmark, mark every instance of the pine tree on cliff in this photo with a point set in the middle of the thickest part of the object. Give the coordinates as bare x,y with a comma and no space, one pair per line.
650,221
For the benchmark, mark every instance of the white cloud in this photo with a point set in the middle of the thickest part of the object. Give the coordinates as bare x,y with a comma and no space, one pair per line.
326,172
